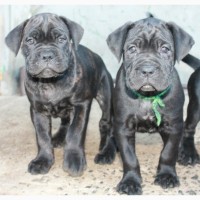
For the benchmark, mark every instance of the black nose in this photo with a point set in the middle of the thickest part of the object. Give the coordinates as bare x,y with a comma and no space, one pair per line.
147,70
47,56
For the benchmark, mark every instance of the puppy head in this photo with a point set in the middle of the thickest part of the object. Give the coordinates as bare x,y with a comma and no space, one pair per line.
47,42
149,48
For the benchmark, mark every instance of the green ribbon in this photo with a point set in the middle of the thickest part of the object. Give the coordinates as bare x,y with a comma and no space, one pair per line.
156,102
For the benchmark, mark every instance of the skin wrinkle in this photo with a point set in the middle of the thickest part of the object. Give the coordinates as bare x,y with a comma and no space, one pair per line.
45,23
46,31
150,36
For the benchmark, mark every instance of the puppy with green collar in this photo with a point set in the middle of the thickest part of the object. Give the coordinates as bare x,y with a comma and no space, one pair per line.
148,96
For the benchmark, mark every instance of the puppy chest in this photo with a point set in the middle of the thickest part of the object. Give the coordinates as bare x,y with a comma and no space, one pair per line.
143,119
144,111
59,109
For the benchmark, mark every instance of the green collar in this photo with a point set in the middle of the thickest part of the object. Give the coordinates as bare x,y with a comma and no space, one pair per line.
156,101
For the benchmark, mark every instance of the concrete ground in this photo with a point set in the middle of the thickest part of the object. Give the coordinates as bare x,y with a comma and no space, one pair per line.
18,148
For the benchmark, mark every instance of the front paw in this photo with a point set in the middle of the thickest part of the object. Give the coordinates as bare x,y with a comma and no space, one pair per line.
166,180
74,162
129,185
40,166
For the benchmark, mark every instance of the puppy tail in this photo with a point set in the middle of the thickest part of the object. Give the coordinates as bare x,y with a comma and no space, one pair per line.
192,61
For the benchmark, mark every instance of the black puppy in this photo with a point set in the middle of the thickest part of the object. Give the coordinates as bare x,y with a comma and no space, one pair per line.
148,96
62,78
188,154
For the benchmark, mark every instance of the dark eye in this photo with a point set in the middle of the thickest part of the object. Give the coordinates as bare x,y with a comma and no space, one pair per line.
132,49
165,49
30,40
61,39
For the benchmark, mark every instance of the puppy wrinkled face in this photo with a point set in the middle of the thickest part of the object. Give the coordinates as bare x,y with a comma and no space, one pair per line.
149,56
46,46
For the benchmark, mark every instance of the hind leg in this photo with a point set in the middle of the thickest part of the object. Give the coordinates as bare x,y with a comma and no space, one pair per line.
59,138
188,154
107,147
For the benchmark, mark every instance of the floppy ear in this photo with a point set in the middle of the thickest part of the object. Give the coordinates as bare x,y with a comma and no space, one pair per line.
183,42
75,30
117,39
14,38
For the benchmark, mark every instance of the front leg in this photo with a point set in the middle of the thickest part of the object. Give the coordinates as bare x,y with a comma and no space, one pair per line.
74,155
131,181
166,172
45,157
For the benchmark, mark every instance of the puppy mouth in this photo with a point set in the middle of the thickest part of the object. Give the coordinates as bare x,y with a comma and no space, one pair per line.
147,88
48,73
